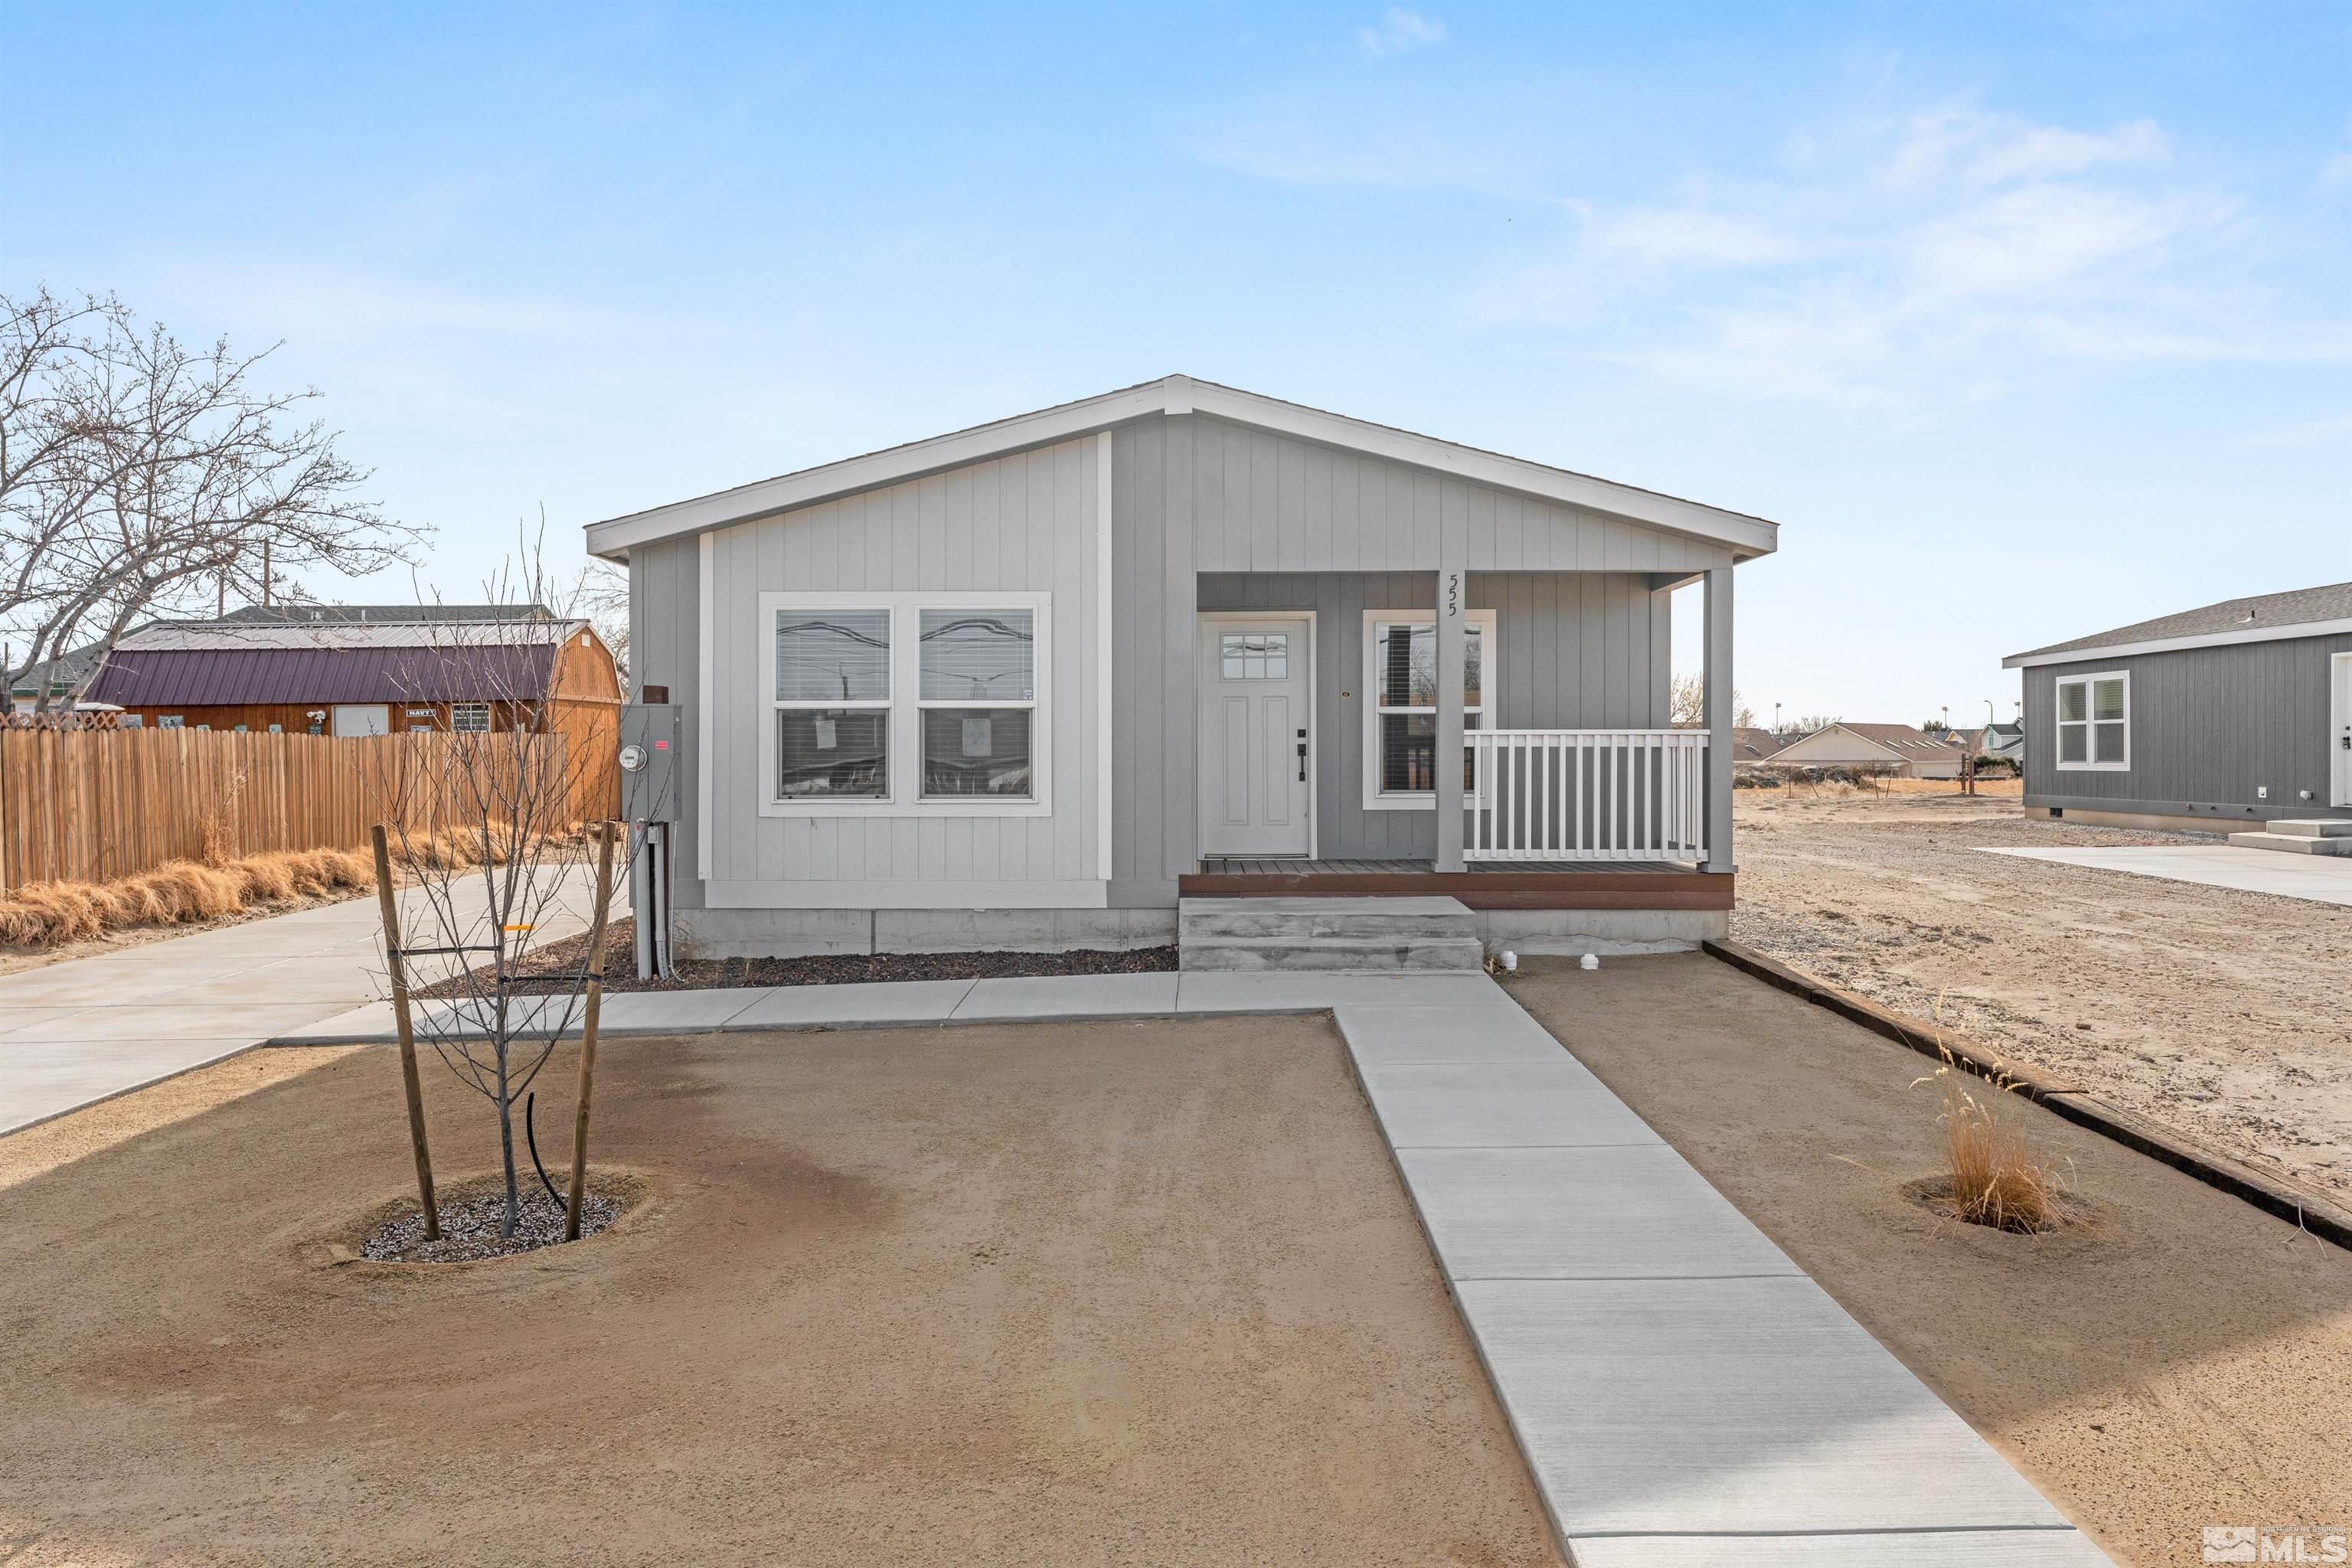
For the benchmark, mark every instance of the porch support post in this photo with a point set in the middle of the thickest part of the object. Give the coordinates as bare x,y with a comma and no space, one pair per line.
1718,719
1453,588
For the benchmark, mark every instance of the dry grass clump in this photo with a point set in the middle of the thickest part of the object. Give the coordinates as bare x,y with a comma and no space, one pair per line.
1991,1176
178,892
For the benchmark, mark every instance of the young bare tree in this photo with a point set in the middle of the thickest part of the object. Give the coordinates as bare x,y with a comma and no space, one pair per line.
1686,705
495,821
140,477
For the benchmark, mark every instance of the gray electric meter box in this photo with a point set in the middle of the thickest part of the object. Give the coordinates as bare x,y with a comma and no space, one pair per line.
652,735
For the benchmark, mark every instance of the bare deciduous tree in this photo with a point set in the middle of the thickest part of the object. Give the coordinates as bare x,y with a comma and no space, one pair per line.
1686,705
140,477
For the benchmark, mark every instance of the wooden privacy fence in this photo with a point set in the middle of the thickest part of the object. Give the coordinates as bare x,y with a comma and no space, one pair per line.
94,804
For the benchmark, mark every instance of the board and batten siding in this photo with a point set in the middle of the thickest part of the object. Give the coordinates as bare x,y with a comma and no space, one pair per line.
1023,522
1195,502
1195,495
2208,727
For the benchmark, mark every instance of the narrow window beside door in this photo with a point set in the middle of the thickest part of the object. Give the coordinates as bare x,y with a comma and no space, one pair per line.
1400,686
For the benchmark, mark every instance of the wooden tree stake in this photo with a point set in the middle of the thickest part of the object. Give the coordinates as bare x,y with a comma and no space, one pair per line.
606,833
398,972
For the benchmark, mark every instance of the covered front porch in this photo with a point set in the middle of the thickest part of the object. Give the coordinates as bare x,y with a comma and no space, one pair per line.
1328,699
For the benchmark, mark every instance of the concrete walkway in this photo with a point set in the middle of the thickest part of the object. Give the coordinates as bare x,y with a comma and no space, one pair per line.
1684,1394
2321,879
89,1028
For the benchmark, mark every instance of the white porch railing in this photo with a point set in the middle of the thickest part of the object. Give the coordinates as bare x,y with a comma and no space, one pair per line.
1585,795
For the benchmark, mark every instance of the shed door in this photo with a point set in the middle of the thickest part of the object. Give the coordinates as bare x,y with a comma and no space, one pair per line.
1255,676
2339,735
362,718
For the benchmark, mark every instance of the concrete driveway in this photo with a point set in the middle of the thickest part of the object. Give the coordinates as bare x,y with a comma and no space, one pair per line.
90,1028
2323,880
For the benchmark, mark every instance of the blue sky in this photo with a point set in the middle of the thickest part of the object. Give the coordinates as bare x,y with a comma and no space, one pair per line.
2023,321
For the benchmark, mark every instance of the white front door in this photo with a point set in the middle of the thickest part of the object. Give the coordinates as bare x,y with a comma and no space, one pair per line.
362,718
2340,730
1256,675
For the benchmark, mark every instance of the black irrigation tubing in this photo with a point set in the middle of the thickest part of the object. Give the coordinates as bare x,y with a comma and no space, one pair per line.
530,1136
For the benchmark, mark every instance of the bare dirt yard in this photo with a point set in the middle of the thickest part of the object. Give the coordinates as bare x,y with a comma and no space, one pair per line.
2225,1015
2176,1361
1143,1292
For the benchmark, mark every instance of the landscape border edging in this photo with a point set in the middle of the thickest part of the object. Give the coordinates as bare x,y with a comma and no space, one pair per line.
2309,1211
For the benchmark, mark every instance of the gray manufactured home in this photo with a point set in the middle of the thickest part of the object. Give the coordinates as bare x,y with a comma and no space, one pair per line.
1028,684
2238,712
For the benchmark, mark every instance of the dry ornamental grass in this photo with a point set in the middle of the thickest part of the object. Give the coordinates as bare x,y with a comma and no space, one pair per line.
187,892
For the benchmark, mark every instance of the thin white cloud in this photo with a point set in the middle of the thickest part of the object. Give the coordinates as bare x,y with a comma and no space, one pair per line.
1400,32
2037,236
1985,149
2336,173
1693,236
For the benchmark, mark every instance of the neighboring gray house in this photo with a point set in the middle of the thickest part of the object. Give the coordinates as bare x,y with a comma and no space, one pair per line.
2006,742
1028,683
2238,711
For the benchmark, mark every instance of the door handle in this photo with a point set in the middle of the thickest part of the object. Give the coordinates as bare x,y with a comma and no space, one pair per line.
1302,761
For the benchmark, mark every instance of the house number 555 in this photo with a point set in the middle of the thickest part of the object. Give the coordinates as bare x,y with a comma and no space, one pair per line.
1453,595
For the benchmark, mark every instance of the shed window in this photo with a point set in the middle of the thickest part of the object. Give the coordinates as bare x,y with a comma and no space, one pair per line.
171,721
2095,722
1400,686
470,717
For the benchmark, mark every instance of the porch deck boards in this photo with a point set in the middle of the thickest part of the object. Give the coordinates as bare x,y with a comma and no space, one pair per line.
1483,885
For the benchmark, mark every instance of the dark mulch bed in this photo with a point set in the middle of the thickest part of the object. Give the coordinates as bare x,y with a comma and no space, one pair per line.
570,954
469,1228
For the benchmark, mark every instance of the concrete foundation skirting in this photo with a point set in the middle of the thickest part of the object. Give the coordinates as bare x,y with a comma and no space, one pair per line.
803,933
1614,932
2272,1194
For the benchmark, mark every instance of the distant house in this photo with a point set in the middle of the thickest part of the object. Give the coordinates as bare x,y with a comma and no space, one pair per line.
344,676
1752,745
2002,741
1910,751
2240,711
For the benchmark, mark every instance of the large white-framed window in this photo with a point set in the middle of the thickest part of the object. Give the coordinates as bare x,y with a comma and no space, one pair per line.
1400,704
905,703
2095,723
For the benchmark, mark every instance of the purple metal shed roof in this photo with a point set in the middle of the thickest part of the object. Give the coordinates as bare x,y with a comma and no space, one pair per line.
224,677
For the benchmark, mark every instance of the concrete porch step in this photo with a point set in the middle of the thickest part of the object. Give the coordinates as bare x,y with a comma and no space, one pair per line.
1352,954
2294,843
1310,933
2312,826
1381,919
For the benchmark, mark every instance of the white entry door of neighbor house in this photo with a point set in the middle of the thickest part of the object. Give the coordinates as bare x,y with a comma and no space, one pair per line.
1256,677
362,718
2339,731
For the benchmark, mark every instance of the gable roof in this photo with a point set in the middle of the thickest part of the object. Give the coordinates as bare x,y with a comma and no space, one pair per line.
1753,745
1746,536
209,664
2264,617
1904,743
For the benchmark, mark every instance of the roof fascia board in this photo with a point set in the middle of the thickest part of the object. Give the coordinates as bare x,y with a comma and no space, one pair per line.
1666,513
892,466
2173,645
1746,536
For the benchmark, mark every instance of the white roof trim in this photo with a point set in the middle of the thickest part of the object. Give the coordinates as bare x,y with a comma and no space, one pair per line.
2170,645
1180,394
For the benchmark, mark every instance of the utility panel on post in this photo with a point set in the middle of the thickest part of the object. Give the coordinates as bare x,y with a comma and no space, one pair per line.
652,735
